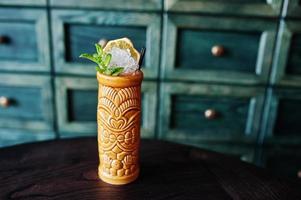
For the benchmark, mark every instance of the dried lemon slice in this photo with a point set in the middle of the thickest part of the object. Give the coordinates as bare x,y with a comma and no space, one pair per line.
123,43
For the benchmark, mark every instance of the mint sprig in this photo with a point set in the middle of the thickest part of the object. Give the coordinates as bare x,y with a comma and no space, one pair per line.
102,60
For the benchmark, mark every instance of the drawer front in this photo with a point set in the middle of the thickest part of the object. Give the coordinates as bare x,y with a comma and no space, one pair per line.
292,8
77,31
283,161
287,66
26,102
199,112
149,5
283,114
195,49
77,102
23,40
23,2
232,7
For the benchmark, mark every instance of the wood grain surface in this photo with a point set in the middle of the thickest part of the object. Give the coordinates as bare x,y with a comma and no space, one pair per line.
67,169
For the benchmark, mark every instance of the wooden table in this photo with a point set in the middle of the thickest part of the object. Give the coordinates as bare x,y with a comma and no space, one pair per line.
67,169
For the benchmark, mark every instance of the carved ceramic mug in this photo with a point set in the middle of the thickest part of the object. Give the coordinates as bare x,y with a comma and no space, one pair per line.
118,119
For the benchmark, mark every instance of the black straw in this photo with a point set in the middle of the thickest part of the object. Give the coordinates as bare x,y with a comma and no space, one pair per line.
142,53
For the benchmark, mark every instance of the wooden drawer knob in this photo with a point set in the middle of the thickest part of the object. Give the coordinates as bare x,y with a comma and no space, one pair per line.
103,42
210,114
4,102
218,50
3,39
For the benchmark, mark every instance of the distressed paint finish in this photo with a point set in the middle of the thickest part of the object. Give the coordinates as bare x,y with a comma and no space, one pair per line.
216,93
292,8
264,8
23,2
150,21
24,91
287,63
83,90
266,29
26,29
149,5
281,121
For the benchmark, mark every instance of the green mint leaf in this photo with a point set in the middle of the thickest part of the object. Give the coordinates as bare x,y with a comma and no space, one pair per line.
101,70
99,49
117,70
89,57
107,60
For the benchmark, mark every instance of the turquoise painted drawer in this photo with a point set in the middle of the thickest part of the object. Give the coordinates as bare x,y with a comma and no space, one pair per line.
23,2
26,102
292,8
149,5
282,116
198,112
24,40
283,161
77,102
269,8
75,32
215,49
287,65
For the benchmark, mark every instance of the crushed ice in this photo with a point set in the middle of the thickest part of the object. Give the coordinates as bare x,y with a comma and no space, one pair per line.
122,58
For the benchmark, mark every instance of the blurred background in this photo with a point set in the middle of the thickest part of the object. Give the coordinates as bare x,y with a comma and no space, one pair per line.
221,75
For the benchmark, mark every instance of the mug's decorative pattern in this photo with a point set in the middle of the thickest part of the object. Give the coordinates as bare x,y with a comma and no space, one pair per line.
118,119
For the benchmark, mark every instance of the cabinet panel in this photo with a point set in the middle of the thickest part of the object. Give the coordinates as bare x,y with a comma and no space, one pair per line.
24,40
77,104
269,8
287,63
198,112
149,5
200,48
76,32
23,2
26,102
282,116
292,8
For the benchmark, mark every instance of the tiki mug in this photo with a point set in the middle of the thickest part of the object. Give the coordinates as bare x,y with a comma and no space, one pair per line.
118,118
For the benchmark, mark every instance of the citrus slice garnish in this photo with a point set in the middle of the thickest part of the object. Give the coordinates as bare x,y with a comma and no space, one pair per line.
123,43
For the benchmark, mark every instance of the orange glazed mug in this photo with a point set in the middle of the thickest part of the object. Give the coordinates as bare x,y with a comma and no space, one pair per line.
118,119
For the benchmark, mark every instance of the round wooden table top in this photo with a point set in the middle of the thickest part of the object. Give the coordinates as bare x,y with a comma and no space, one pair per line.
67,169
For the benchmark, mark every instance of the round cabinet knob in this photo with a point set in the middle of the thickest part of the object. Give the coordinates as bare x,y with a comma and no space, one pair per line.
103,42
218,50
210,114
4,102
3,39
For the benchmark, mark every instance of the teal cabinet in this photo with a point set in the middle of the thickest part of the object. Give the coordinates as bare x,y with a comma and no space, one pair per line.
264,8
244,152
282,116
149,5
198,48
25,43
77,103
282,161
287,64
29,102
201,112
76,32
23,2
292,8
